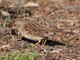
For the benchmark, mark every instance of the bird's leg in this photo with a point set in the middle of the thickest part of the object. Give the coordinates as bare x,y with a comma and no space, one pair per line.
36,44
44,42
41,47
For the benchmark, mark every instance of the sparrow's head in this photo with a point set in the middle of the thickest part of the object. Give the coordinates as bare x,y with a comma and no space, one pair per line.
17,25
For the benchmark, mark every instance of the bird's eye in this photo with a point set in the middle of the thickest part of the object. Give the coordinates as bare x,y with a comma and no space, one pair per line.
14,25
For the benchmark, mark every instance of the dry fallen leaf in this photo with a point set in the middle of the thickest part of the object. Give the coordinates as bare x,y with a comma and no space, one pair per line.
31,4
4,13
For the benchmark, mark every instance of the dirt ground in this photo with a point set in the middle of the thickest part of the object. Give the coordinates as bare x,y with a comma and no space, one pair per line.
65,14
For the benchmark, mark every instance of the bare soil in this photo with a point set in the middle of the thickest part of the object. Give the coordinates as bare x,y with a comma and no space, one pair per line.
65,14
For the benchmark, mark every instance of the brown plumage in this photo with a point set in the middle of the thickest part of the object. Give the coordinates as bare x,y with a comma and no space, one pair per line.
36,30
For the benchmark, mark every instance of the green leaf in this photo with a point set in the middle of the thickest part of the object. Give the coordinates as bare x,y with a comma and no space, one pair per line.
30,57
2,58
